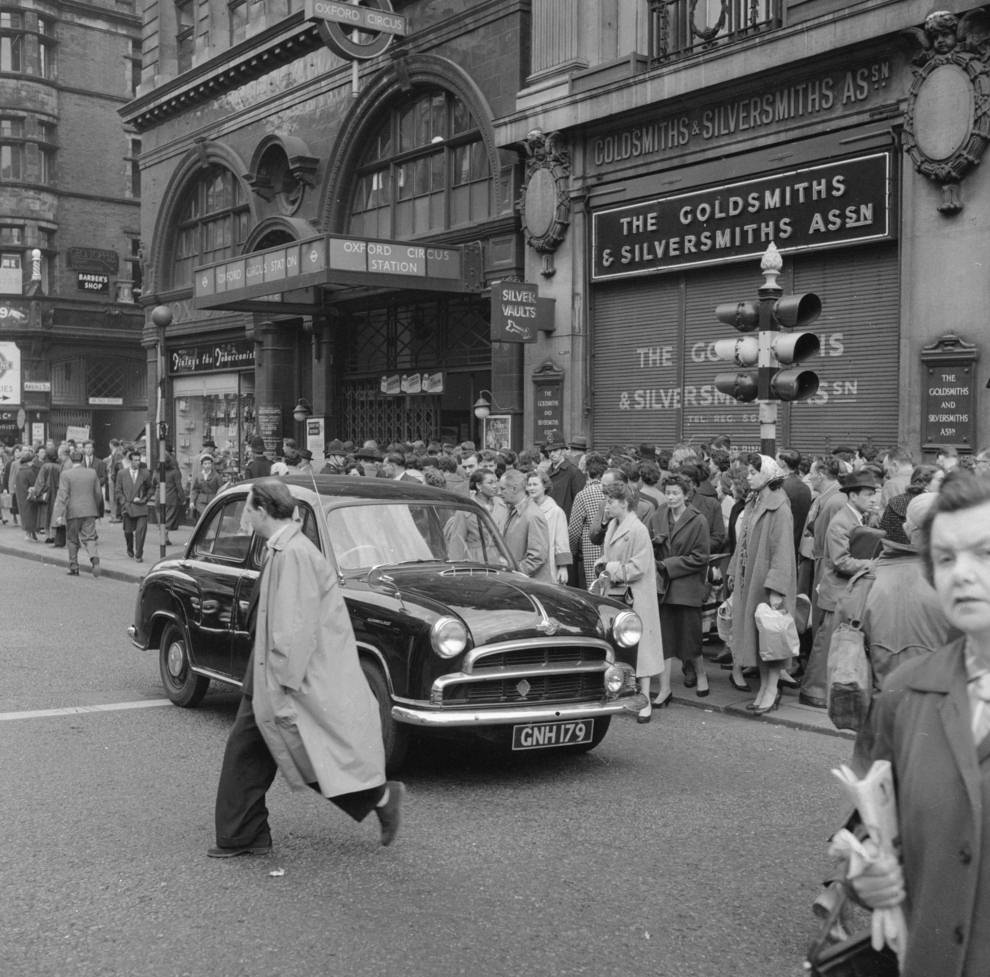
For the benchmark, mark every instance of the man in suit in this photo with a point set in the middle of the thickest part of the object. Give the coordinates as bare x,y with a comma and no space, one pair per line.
133,490
838,565
526,532
78,504
98,465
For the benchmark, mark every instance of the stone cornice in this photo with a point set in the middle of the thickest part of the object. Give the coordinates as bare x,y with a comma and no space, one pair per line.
258,55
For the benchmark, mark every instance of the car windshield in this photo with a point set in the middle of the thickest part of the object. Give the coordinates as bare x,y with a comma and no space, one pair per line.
364,536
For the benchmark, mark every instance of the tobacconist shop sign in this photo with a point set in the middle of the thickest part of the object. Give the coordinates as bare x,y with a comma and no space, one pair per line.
212,357
844,202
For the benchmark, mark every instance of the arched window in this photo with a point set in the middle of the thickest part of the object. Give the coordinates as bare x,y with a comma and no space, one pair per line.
212,223
425,170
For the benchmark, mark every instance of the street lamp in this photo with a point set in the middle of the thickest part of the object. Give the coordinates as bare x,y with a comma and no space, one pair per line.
482,409
483,405
302,410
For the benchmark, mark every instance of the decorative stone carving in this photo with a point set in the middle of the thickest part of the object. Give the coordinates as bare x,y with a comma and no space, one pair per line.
282,170
544,205
947,122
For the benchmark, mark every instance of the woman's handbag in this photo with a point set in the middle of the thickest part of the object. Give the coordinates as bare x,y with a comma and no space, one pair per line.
851,957
602,586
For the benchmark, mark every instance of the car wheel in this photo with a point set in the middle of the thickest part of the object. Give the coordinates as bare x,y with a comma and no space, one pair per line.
182,685
395,735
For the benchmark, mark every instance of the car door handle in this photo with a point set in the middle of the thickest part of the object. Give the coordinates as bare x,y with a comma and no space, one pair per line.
211,606
194,603
244,606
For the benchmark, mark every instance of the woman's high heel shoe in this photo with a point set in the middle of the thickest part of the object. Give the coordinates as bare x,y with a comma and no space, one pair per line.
645,718
762,711
659,703
745,687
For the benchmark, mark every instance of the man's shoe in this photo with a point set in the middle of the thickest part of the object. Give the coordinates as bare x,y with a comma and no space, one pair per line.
221,852
96,567
130,554
72,573
390,813
139,559
812,700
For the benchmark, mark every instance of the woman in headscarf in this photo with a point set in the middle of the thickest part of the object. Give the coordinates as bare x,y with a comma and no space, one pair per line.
763,570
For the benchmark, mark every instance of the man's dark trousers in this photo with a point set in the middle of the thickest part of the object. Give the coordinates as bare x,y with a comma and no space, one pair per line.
247,773
135,531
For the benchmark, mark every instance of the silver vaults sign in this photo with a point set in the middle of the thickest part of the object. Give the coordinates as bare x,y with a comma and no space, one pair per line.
823,206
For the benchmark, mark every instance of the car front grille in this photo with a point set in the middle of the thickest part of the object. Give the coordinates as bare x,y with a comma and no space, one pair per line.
531,671
568,687
540,657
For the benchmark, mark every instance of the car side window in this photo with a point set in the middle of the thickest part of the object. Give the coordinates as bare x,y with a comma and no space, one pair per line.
307,521
222,538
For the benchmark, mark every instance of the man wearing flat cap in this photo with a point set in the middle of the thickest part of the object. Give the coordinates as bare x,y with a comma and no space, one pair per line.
838,565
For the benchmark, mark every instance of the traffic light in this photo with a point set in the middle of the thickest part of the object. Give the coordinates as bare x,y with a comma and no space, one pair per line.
744,351
744,316
775,356
790,349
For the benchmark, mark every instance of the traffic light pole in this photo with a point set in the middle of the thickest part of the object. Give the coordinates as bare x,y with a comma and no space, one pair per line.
777,350
769,292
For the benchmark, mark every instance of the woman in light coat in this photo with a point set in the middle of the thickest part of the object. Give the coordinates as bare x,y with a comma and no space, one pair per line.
627,558
763,570
537,486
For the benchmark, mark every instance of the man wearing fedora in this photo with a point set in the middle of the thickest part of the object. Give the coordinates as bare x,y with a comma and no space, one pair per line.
576,451
565,479
838,565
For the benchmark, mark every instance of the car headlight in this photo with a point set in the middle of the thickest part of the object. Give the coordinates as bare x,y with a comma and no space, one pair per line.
448,637
627,629
615,678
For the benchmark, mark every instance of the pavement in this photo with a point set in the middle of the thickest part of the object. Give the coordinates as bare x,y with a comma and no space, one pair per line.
116,565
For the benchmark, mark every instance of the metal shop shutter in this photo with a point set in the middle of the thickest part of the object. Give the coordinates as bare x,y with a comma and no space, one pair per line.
859,329
636,371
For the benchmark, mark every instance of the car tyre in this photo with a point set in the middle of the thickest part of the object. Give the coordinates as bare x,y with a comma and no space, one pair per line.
182,685
395,736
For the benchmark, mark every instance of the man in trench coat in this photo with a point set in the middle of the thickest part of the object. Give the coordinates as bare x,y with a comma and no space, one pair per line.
306,708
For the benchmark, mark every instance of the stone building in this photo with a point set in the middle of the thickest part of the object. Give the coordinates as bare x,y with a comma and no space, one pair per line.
566,189
675,140
70,238
257,135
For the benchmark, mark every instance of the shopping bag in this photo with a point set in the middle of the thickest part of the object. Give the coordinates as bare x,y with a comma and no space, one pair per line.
849,678
777,633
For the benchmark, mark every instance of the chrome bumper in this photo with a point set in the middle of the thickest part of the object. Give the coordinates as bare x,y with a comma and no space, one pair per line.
451,718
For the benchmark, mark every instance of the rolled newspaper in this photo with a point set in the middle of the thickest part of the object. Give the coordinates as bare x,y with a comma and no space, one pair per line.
873,796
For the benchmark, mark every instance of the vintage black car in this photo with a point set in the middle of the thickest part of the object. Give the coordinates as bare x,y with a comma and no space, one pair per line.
451,636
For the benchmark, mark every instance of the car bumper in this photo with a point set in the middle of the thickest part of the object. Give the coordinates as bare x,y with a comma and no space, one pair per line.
452,718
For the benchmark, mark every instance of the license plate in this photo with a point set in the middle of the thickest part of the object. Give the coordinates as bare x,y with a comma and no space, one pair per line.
539,736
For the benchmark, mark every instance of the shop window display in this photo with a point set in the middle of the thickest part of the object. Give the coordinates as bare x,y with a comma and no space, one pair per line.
219,423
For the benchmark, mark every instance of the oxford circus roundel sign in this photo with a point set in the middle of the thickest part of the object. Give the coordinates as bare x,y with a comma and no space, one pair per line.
356,31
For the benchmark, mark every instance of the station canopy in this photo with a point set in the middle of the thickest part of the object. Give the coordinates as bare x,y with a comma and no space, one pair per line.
294,278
